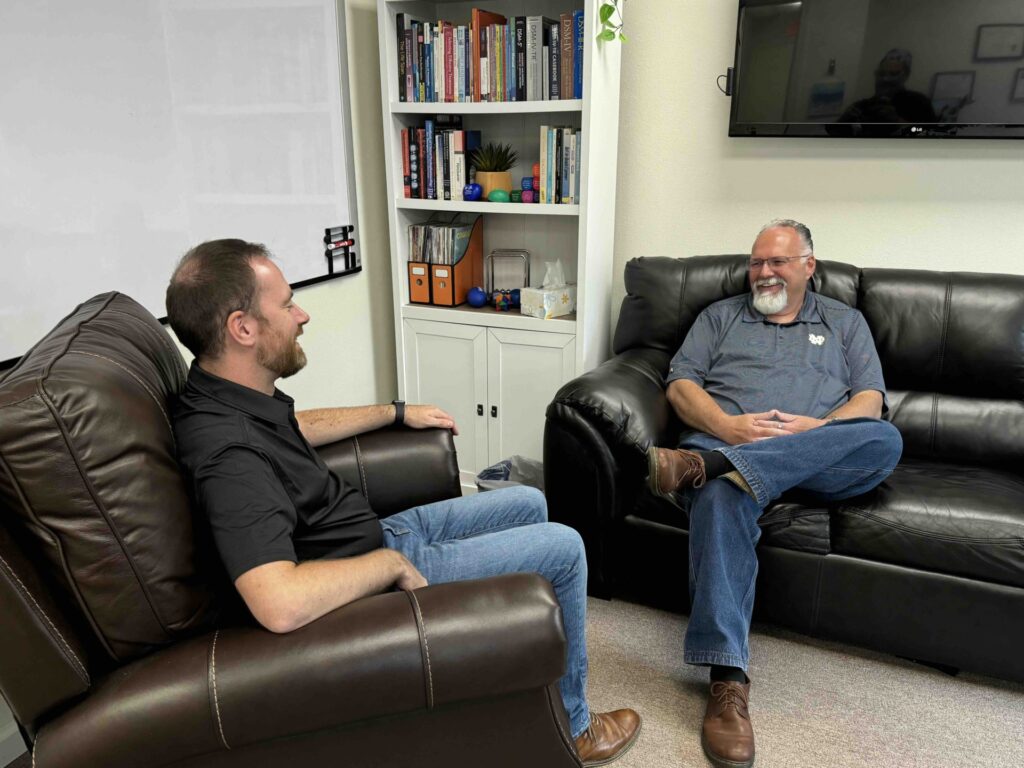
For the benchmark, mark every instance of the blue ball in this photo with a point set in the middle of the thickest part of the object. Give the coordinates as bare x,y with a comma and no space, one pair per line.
476,297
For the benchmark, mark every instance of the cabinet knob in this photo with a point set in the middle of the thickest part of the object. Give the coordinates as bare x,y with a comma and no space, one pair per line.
494,411
479,409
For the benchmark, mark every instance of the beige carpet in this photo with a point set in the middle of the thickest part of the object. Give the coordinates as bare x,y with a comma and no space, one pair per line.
813,703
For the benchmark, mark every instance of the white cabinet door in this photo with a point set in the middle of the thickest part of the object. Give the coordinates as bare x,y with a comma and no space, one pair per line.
446,365
524,371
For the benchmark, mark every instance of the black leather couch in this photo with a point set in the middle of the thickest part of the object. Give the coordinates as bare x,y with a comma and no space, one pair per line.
116,650
928,566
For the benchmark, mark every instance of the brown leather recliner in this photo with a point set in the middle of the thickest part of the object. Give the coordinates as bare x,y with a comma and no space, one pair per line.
116,650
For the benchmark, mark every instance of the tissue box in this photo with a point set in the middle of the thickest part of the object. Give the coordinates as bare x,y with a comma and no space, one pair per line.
548,302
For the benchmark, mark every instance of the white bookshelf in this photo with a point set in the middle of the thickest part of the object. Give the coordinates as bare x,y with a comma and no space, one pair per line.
523,359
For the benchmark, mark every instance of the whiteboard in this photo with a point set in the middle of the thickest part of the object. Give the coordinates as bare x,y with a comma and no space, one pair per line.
131,130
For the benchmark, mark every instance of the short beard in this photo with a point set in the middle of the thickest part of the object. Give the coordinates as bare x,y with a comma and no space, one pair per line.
285,362
770,304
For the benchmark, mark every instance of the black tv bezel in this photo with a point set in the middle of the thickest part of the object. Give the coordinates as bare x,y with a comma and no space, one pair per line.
808,130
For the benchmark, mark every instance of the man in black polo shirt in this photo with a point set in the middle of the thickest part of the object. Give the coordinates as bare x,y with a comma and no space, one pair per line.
299,542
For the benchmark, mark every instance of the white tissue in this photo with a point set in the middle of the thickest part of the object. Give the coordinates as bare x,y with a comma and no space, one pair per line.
554,276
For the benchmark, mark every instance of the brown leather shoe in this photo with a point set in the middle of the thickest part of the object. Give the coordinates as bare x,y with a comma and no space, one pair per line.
728,736
608,737
673,469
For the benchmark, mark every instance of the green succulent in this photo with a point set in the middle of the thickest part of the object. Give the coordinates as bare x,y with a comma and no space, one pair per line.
494,157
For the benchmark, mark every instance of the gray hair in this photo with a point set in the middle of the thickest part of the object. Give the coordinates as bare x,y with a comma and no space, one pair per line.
801,229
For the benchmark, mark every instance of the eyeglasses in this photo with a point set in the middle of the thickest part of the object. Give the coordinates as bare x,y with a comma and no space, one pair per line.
756,264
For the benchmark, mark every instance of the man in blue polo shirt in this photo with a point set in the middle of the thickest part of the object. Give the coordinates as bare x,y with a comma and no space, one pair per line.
781,388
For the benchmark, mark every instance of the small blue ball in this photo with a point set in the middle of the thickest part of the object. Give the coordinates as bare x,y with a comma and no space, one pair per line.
476,297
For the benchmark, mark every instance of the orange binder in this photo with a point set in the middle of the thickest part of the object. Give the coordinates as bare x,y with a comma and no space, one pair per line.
419,282
450,283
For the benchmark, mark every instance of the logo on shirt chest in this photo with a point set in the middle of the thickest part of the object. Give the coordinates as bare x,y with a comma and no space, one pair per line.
816,340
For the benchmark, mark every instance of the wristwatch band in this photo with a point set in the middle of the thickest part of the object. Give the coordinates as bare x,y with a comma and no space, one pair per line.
399,411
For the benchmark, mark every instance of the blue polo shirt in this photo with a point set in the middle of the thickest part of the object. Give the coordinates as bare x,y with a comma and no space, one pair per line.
808,367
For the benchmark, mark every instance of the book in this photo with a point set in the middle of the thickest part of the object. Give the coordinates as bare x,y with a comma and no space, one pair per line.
520,42
573,149
449,61
542,191
410,70
439,159
579,170
510,61
458,164
534,81
549,179
544,62
460,64
400,31
428,136
446,167
565,196
577,59
414,164
421,157
406,171
551,36
479,20
566,37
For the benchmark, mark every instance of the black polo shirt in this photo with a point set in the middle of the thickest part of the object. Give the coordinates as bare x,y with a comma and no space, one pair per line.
266,492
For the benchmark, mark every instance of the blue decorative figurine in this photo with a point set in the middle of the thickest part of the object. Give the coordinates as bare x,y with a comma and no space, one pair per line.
472,192
476,297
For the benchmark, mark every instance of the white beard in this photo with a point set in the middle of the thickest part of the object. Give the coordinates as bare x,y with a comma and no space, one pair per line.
770,303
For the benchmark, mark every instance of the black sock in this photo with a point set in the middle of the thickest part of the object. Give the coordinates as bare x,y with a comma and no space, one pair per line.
715,463
721,674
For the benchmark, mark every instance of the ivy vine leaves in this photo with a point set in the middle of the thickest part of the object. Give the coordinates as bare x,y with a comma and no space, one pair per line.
611,21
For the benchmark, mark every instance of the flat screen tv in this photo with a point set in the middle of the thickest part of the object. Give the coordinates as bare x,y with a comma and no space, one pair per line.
879,69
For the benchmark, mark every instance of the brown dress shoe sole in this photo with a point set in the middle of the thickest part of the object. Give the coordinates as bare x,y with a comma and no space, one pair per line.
629,745
721,762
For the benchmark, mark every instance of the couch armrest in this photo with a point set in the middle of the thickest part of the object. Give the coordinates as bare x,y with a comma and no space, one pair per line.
597,432
397,467
624,399
383,655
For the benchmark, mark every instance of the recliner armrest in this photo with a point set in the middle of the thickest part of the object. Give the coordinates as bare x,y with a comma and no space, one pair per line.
383,655
624,400
397,467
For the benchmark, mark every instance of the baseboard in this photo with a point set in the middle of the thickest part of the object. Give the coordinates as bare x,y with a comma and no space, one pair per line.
11,745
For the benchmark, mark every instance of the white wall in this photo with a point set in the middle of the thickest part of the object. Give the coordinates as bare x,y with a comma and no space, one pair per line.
350,340
686,188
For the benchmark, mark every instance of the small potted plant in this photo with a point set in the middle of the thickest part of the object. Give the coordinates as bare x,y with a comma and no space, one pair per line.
494,163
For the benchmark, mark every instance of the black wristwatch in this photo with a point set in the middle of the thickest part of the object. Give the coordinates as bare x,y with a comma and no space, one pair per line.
399,411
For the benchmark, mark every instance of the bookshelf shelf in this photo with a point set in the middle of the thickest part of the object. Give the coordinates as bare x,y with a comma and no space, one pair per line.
490,318
486,108
506,209
496,372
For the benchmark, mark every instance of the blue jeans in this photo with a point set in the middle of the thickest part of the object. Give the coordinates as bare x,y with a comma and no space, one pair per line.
836,461
504,531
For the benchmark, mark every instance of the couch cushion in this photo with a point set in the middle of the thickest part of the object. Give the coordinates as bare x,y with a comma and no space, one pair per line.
965,521
91,477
